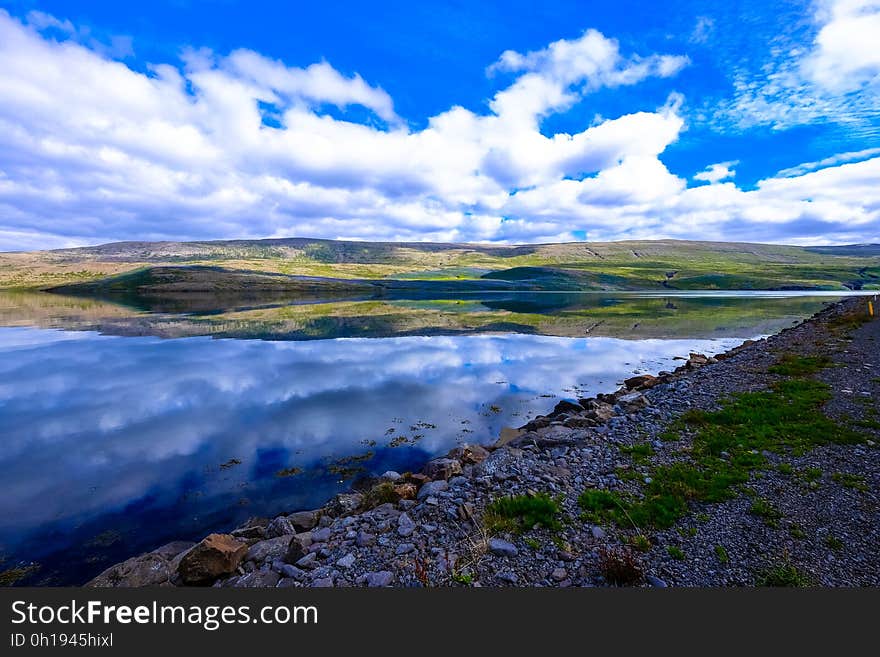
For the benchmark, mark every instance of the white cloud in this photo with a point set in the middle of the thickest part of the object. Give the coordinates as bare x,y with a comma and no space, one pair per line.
846,54
239,145
116,46
831,161
703,29
717,172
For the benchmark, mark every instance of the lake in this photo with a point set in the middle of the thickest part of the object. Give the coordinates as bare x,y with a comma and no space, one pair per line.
123,427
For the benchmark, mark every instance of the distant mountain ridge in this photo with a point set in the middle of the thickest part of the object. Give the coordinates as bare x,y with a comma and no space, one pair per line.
357,251
571,266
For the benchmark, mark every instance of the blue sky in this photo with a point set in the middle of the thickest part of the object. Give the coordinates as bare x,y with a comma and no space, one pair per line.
484,121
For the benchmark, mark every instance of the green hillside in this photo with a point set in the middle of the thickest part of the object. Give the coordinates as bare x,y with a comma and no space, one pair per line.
633,265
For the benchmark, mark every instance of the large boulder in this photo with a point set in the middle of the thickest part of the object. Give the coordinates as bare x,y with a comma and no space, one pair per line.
641,382
442,468
258,579
601,411
298,547
216,555
632,402
579,422
344,504
696,360
280,526
152,569
269,550
252,529
566,406
470,454
432,488
303,521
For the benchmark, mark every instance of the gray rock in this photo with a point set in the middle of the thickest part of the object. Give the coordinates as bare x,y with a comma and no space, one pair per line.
405,525
507,576
364,539
347,561
273,548
151,569
502,548
656,582
390,475
308,561
432,488
632,401
303,521
258,579
344,503
322,582
404,548
559,574
254,528
442,468
287,570
321,535
297,547
280,526
379,579
598,533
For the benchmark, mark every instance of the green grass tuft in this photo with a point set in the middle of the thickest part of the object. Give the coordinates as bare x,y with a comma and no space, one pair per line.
834,543
522,512
849,480
675,552
766,511
799,366
783,574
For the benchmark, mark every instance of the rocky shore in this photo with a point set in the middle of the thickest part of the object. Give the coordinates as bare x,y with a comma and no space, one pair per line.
758,466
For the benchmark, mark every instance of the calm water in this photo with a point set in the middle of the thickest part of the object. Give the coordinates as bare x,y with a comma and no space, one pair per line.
122,429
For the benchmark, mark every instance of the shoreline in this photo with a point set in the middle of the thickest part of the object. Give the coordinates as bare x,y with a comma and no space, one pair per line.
445,526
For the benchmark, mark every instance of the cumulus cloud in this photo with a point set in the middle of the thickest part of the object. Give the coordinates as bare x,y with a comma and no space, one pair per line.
241,145
846,52
717,172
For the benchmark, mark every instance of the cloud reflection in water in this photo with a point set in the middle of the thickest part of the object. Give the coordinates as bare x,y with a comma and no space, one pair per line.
105,433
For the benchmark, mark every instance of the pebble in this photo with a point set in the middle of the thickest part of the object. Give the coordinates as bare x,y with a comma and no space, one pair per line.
405,525
307,561
347,561
431,489
379,578
507,576
502,548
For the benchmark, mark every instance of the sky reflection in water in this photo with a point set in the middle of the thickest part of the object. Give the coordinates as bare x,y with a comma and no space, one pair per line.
102,437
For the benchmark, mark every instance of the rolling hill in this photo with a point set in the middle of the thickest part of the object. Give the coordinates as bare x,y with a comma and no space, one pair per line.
317,266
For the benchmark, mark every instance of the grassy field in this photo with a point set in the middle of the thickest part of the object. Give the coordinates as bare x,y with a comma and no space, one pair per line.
635,265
